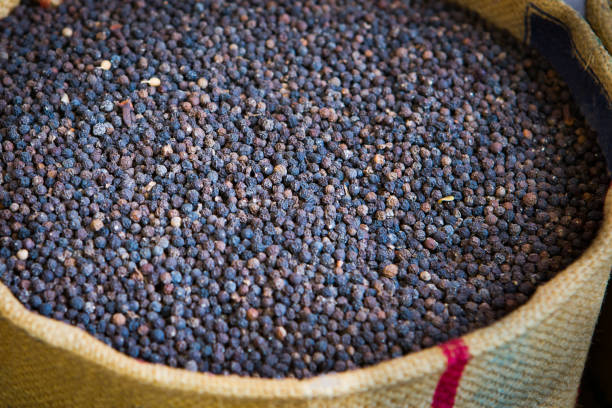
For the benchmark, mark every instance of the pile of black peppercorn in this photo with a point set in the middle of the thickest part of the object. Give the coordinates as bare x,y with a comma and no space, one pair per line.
283,188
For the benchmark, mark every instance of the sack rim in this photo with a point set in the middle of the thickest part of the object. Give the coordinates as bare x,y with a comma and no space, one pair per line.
594,263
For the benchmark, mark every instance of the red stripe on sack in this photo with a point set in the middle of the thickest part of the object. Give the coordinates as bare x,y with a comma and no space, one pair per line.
457,356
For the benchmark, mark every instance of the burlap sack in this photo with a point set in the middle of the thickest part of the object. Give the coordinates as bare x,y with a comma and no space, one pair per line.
599,15
532,358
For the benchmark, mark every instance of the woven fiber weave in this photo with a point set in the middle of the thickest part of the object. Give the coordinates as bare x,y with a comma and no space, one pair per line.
6,6
531,358
599,15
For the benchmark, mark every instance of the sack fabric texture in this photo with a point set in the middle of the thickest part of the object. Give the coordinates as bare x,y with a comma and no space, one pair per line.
533,357
599,15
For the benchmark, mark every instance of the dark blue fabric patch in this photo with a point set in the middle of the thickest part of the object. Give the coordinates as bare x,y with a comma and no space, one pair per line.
553,40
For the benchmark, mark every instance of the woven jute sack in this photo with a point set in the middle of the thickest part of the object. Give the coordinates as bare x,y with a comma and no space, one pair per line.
532,358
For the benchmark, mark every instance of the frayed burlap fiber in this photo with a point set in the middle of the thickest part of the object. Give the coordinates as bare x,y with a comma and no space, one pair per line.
599,15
